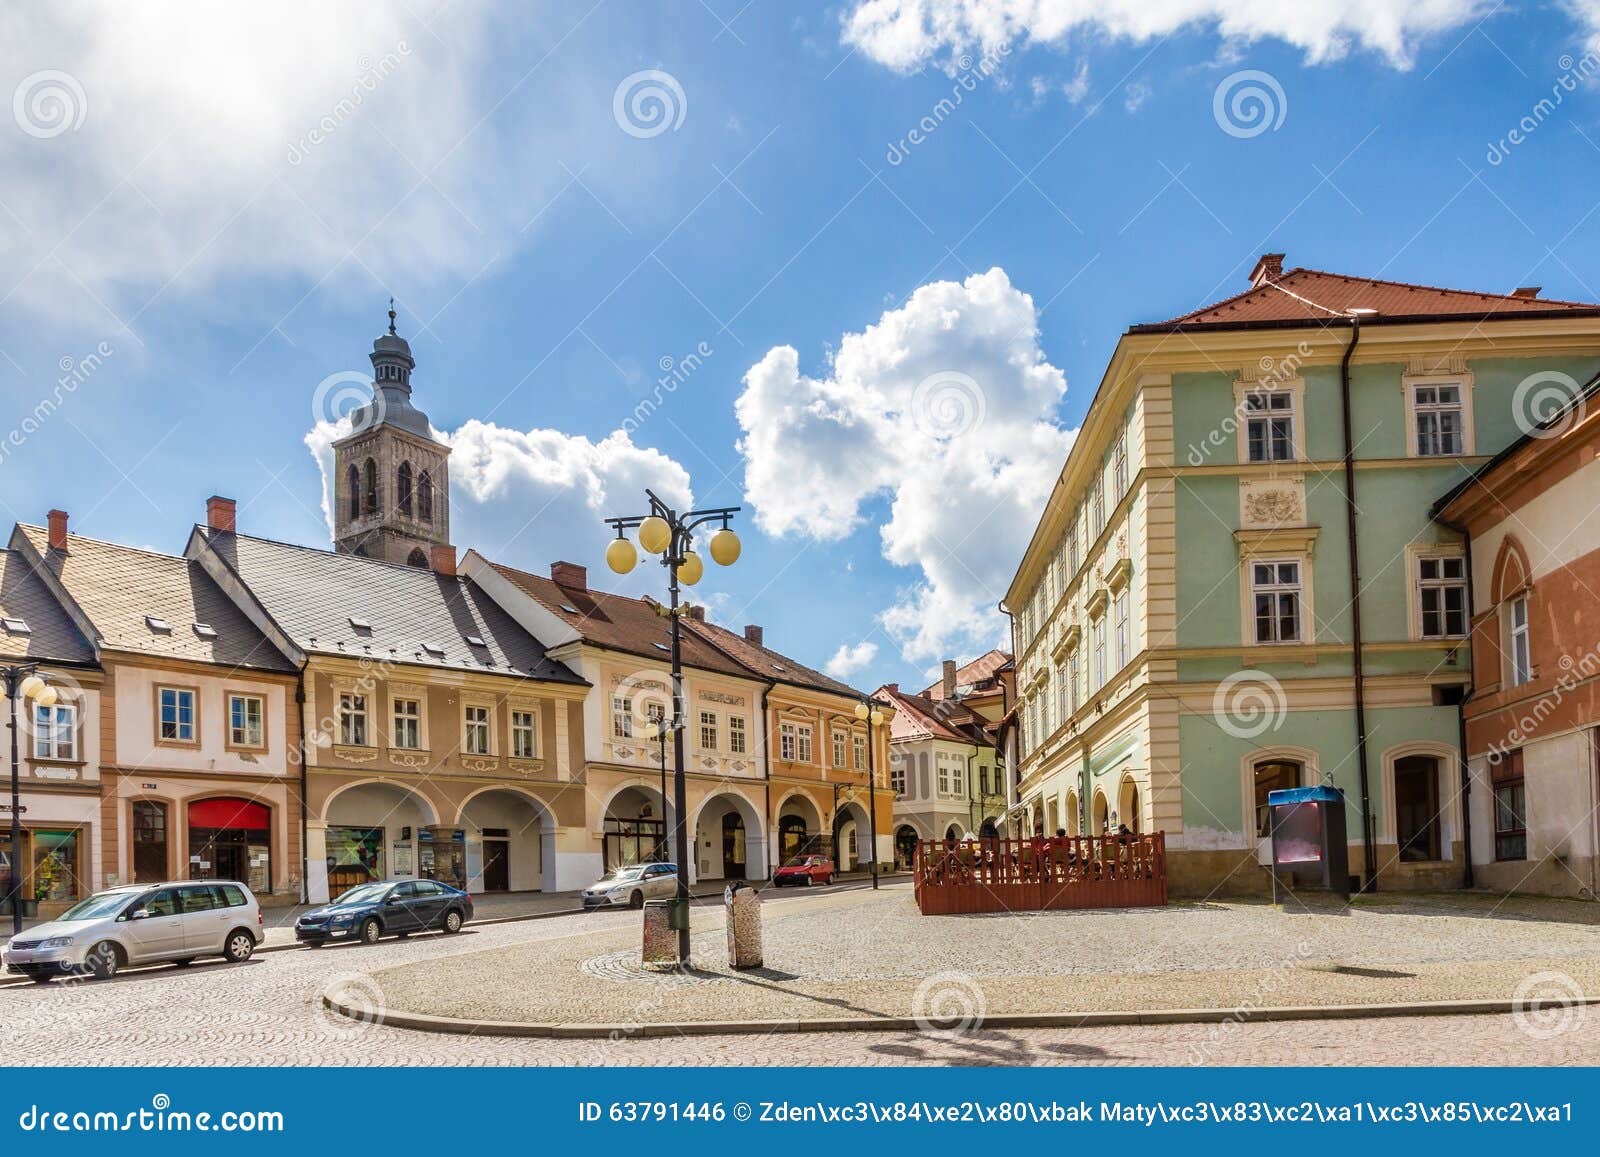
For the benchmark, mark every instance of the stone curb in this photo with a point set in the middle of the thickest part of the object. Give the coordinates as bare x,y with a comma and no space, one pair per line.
423,1022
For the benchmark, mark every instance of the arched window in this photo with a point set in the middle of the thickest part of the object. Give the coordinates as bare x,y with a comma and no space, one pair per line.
417,558
352,483
369,500
402,488
425,496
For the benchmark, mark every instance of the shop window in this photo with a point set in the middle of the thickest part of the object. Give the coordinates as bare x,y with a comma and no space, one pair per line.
1510,806
355,856
149,842
247,721
175,715
55,732
54,862
231,839
524,735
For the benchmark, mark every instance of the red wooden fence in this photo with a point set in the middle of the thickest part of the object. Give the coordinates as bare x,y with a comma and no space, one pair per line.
1028,875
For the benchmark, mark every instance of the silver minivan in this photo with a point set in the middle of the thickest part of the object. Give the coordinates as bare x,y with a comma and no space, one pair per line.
142,924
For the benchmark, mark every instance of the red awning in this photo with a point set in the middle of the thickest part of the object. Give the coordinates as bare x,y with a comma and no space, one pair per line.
229,813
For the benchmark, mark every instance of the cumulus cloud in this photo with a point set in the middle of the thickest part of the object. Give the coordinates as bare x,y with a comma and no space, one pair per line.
157,152
530,497
847,660
944,408
905,35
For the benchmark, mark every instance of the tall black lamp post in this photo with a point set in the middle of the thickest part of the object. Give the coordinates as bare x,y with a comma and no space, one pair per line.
870,712
670,534
22,682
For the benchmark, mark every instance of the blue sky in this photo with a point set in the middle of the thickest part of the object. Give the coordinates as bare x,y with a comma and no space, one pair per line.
204,218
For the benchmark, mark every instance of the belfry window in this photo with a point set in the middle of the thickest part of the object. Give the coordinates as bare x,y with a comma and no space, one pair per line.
402,489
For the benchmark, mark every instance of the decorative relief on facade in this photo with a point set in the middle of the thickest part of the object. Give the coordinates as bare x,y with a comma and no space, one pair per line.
470,763
1428,365
354,754
526,766
1272,502
637,680
408,758
722,697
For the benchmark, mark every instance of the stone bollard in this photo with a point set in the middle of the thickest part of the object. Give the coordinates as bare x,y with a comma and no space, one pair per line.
743,905
660,938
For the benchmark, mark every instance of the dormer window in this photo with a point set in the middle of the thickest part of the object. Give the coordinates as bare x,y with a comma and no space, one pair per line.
159,625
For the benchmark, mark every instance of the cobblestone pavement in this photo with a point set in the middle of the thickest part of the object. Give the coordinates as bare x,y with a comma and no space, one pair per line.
267,1012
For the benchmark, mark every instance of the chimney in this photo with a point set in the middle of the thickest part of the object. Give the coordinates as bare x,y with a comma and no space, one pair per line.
1269,268
220,513
892,688
58,529
696,612
752,634
442,559
1527,292
570,575
949,678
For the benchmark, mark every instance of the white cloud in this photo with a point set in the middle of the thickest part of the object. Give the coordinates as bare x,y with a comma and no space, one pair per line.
946,408
847,660
158,152
907,34
531,497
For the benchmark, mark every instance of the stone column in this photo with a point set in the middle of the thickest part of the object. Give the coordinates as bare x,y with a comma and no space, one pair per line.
316,882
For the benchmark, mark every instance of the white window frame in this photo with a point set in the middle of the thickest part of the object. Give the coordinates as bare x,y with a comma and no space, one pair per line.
958,777
352,716
709,726
1277,589
1519,649
841,747
621,717
942,766
236,738
1421,585
56,735
1122,641
1463,384
1291,389
803,737
738,735
1097,653
471,726
524,733
1119,465
858,752
413,719
897,773
1074,663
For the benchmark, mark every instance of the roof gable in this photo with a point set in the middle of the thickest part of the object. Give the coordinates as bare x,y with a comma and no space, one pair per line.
50,632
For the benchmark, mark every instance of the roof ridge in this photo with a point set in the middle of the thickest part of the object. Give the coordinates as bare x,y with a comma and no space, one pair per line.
357,558
1436,288
145,550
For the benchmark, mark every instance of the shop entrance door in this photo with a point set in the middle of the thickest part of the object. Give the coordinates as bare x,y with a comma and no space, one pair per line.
496,864
732,847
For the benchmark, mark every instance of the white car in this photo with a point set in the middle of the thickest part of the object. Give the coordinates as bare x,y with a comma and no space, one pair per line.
141,924
632,886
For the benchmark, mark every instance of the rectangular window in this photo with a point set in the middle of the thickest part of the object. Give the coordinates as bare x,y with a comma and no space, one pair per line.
738,740
803,744
944,775
1097,637
246,721
1521,647
1275,587
1442,584
838,749
1269,425
897,773
1439,419
524,735
858,752
621,717
708,730
1097,504
1510,806
352,719
1072,544
1119,465
794,743
408,724
958,777
176,723
1120,626
55,732
476,732
1072,681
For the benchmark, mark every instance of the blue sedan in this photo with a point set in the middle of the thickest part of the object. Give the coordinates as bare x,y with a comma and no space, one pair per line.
386,908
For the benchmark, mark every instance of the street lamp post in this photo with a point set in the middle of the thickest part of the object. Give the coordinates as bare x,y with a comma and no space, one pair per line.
22,682
869,712
670,534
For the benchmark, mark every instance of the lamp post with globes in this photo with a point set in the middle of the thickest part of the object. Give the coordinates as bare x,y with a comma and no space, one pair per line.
870,712
22,682
670,534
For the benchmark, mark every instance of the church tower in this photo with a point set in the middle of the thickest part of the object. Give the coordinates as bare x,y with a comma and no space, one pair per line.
391,477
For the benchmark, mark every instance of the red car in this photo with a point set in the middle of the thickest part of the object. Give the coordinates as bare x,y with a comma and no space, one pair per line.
805,871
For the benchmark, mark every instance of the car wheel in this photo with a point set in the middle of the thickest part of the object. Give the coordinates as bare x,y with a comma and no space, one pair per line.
636,900
103,960
452,921
239,946
38,977
809,880
370,930
313,944
185,962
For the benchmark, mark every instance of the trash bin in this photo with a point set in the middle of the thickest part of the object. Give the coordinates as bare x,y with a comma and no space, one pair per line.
660,937
743,905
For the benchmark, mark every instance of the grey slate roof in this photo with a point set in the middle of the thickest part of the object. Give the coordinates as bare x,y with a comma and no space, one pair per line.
51,633
313,595
117,587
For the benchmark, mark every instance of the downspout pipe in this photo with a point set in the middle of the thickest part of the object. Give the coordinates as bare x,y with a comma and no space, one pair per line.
1368,844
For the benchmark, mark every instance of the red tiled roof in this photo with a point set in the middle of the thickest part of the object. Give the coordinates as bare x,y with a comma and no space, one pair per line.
985,666
1310,295
766,663
935,717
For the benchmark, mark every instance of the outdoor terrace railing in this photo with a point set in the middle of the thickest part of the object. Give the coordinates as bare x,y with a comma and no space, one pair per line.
1030,875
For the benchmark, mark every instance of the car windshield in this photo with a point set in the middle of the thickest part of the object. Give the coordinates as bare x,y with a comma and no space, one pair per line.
99,905
363,894
800,862
631,872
